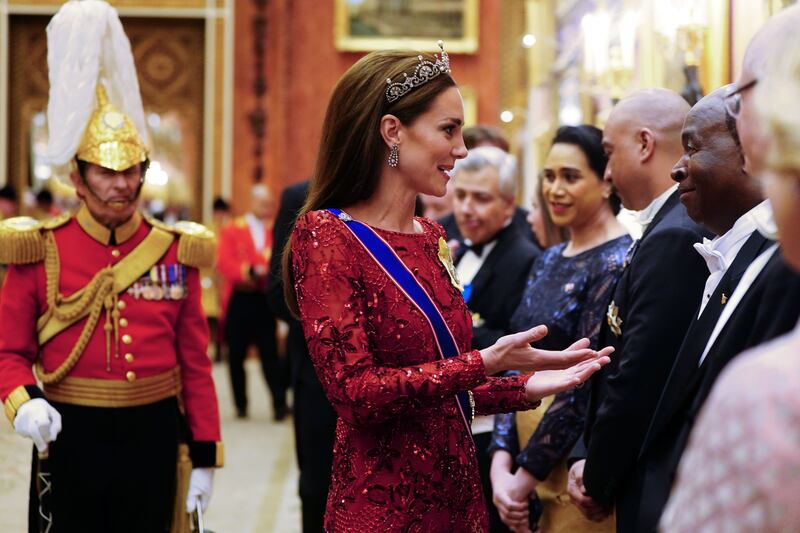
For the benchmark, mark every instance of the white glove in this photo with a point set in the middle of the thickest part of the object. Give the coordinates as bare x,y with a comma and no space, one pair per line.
200,485
38,420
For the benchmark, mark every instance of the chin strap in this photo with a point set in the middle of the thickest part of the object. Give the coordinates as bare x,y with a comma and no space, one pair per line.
106,202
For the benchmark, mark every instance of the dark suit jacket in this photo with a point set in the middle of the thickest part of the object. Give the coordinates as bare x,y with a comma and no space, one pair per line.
314,418
519,220
497,287
292,200
770,308
655,296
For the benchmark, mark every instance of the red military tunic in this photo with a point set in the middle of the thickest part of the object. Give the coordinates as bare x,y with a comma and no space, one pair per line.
237,254
155,336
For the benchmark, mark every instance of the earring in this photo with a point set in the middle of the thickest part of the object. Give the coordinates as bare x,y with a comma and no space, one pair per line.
393,159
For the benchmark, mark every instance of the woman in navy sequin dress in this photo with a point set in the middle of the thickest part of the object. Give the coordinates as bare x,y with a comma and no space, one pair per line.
569,288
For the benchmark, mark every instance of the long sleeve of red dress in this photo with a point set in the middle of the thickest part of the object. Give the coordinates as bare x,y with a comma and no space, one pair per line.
400,434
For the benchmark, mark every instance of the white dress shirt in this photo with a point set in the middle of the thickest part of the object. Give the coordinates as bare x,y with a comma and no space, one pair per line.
466,270
744,285
257,231
721,251
646,215
471,263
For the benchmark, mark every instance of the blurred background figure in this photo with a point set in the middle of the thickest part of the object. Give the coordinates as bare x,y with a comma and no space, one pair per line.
245,249
221,213
212,286
8,202
568,289
483,135
45,207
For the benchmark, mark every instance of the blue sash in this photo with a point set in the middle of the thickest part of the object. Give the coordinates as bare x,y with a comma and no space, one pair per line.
387,259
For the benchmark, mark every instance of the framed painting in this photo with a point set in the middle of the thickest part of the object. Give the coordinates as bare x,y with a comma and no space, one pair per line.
470,99
366,25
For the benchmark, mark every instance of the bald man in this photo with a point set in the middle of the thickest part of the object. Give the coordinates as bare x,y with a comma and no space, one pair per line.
719,194
652,305
243,256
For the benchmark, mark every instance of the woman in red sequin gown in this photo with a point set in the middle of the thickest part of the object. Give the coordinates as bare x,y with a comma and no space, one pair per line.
403,456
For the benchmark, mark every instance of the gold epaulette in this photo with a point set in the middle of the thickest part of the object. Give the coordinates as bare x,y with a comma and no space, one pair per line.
21,241
197,245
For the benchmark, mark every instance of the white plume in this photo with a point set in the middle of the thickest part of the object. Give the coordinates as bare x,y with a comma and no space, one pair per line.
86,45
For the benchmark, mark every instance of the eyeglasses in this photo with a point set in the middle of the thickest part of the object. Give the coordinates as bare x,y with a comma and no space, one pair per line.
733,100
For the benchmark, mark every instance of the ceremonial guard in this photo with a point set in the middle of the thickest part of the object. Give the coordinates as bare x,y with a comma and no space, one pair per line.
243,258
103,340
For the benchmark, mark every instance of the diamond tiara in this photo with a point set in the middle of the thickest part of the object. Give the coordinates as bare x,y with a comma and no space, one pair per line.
425,71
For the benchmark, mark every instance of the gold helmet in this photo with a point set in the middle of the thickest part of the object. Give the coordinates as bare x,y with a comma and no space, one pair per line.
111,139
94,109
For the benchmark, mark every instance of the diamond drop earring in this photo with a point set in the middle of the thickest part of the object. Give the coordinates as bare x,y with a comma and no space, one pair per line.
393,159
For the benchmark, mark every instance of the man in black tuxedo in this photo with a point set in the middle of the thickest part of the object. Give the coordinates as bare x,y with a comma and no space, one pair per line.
494,261
652,304
492,264
314,418
749,305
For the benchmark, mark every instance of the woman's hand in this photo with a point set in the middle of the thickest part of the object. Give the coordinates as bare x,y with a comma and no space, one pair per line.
549,382
513,510
514,352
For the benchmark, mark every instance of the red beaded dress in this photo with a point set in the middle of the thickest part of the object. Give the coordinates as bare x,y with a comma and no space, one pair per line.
404,459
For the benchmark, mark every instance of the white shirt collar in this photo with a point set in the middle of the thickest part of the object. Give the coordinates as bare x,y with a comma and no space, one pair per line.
720,251
257,229
646,215
764,219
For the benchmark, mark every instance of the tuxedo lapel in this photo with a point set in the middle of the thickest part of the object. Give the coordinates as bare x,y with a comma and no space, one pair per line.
685,372
487,271
619,302
671,202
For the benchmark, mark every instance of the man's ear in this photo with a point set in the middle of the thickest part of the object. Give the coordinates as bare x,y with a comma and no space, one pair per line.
75,178
646,141
391,130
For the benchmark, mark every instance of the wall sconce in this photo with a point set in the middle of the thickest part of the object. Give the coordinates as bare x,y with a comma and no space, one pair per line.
690,41
684,24
609,50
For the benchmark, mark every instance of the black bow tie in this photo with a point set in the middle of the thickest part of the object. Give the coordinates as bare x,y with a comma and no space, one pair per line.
477,249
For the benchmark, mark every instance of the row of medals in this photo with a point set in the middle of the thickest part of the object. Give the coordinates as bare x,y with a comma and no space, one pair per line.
163,282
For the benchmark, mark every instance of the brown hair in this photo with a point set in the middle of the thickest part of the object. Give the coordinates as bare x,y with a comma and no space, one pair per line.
554,234
480,134
351,149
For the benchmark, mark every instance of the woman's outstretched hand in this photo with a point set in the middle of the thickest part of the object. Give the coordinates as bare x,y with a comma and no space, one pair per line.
514,352
549,382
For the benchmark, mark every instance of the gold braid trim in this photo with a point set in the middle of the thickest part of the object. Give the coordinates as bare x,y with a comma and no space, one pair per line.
197,245
21,241
98,294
